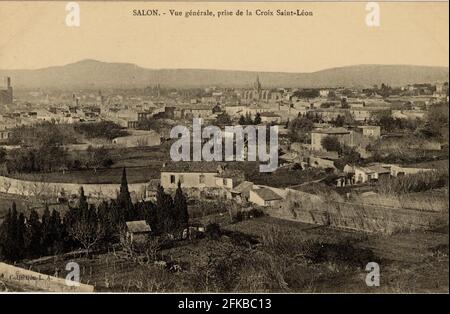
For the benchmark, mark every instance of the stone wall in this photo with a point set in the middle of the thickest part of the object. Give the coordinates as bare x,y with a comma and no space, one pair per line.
309,208
50,189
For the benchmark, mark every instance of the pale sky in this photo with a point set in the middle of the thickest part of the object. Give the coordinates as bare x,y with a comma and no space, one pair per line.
34,35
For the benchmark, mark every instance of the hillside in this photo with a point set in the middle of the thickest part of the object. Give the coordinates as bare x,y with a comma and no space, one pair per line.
96,74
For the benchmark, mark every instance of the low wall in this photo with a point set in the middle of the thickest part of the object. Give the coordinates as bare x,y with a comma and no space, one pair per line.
32,280
309,208
50,189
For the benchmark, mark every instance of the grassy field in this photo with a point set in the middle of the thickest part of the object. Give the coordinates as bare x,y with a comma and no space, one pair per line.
142,165
268,254
101,176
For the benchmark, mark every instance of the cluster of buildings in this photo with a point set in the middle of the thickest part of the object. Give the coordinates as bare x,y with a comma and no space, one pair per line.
215,179
6,91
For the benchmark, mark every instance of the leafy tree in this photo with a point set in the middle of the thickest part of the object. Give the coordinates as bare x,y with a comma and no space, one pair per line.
348,156
331,143
299,129
384,120
307,93
436,123
257,119
339,121
103,129
223,119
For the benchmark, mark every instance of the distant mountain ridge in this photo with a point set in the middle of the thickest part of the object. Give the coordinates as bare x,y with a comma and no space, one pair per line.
96,74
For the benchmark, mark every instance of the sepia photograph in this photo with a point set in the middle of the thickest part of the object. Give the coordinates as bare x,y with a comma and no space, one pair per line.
224,148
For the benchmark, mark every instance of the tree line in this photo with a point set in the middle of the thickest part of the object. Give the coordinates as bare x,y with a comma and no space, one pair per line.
248,120
87,225
55,158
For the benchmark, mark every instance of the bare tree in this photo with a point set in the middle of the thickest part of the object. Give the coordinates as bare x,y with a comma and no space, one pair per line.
88,233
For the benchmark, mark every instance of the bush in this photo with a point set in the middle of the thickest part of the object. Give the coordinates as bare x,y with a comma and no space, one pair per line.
213,231
331,143
343,252
255,213
419,182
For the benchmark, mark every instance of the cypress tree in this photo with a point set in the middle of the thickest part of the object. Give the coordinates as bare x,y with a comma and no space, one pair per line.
20,236
82,202
180,208
13,233
124,198
34,235
56,232
257,119
5,237
164,209
47,241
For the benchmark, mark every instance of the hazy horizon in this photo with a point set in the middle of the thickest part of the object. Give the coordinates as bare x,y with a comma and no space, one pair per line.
225,69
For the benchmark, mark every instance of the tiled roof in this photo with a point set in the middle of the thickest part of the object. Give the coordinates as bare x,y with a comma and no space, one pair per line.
243,187
267,194
374,169
269,114
332,131
138,226
192,166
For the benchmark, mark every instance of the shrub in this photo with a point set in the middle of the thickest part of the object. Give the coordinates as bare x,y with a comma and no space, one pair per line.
418,182
342,252
255,213
213,231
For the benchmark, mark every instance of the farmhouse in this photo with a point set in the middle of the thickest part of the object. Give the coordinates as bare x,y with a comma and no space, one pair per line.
229,179
343,135
241,193
372,131
191,174
370,173
264,197
323,161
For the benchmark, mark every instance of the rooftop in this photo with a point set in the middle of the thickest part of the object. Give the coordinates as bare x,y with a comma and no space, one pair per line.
332,131
374,169
243,187
267,194
192,166
138,226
